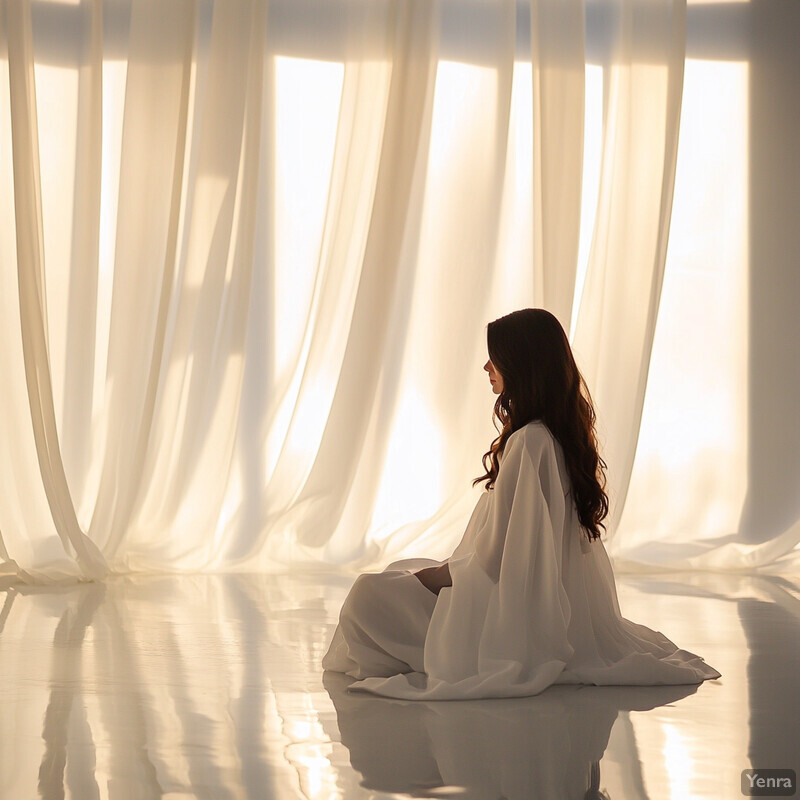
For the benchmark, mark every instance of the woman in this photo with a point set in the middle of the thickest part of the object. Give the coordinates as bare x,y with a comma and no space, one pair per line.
527,599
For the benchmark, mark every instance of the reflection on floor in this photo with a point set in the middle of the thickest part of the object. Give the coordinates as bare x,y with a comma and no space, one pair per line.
210,687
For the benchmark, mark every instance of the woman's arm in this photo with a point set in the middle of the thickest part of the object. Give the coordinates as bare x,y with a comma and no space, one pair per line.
435,578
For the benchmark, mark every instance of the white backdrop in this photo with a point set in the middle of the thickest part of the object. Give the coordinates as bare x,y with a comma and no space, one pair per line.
249,251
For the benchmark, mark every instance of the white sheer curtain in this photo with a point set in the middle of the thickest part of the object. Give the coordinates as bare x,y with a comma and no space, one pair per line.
248,251
620,300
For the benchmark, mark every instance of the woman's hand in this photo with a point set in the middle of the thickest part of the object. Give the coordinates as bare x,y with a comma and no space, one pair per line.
435,578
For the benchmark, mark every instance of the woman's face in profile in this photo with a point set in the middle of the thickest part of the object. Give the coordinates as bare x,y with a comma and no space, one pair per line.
494,377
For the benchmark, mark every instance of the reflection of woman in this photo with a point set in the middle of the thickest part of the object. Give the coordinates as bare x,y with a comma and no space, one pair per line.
547,746
527,598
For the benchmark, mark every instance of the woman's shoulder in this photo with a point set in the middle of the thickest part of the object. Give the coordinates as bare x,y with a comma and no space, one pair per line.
535,438
535,444
534,434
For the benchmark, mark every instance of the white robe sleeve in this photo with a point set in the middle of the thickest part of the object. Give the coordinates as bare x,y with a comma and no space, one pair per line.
501,629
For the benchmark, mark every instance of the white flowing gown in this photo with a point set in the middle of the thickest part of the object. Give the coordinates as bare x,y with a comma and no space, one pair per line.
533,603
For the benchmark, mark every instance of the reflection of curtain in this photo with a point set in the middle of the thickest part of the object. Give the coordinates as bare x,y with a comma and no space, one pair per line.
209,686
248,253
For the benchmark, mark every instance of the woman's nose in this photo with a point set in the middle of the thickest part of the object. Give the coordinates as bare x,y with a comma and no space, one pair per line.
486,366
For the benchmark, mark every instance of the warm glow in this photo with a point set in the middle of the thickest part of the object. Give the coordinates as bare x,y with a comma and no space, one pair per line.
57,95
515,240
592,157
406,494
692,450
114,77
458,87
307,100
306,115
679,763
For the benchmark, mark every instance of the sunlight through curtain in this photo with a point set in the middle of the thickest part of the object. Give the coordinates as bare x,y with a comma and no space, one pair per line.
249,251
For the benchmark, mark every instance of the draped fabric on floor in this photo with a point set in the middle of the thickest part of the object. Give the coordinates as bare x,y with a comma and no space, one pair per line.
248,251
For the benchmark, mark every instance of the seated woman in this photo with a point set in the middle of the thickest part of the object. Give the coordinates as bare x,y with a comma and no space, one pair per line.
528,598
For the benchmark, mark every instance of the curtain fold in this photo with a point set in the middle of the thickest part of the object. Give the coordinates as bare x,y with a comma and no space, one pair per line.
249,251
194,385
393,204
156,94
80,350
619,303
32,292
558,58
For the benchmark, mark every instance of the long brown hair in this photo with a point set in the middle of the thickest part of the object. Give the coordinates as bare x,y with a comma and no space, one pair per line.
541,381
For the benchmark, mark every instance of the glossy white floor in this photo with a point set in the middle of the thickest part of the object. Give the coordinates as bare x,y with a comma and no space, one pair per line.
210,687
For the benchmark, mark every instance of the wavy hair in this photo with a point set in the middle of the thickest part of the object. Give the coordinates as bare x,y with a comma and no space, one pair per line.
541,381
